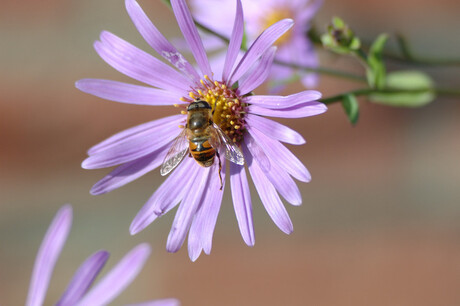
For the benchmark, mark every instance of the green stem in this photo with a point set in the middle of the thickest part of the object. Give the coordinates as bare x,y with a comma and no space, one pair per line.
369,91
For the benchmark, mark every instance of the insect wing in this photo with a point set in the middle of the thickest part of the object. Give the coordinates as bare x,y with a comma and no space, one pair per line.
177,152
232,151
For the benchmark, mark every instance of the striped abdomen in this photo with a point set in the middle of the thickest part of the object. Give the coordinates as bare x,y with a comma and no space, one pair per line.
202,151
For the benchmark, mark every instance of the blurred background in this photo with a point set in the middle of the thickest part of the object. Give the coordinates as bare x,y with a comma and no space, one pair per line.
380,222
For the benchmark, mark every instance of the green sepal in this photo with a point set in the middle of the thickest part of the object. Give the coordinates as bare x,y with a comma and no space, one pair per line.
375,70
351,107
416,81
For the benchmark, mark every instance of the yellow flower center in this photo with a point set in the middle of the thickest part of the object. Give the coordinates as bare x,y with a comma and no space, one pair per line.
274,16
228,109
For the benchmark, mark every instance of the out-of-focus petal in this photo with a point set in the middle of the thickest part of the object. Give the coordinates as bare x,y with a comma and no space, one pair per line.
258,74
138,64
298,111
130,171
268,195
48,254
118,278
235,42
128,93
242,202
158,42
274,129
202,228
260,45
187,210
188,28
281,102
284,158
162,302
83,278
135,146
168,195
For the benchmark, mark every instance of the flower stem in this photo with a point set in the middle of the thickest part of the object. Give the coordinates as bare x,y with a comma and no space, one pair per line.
369,91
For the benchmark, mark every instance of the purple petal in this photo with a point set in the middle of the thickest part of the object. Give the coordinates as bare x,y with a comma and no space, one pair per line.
118,278
128,93
188,28
235,42
158,42
257,151
134,146
187,210
274,129
298,111
242,202
48,254
260,45
163,302
83,278
139,65
282,102
258,74
130,171
133,132
167,196
284,158
268,195
202,228
280,179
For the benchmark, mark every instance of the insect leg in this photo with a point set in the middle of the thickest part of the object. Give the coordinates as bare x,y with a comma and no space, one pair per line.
220,169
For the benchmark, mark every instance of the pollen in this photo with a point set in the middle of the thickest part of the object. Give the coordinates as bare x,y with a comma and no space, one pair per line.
227,107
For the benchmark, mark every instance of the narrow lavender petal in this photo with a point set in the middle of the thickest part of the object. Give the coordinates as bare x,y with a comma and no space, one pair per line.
134,132
48,254
298,111
158,42
188,28
139,65
118,278
304,16
282,102
257,151
235,42
259,74
260,45
268,195
130,171
242,202
83,278
163,302
284,158
132,148
280,179
186,211
202,228
167,196
128,93
274,129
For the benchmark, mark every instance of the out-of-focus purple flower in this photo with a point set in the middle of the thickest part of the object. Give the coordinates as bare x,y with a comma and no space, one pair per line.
294,47
78,291
238,113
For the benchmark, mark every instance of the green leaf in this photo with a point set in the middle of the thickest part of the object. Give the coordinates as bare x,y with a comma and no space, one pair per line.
375,71
351,107
417,84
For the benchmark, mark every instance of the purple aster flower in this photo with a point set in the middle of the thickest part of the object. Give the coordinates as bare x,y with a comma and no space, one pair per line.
78,291
235,113
294,47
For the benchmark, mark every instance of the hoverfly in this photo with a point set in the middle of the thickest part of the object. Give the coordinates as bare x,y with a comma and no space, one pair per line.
203,139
